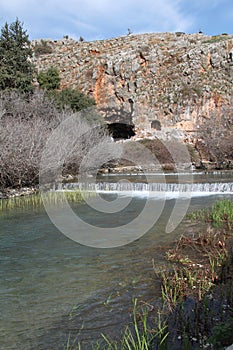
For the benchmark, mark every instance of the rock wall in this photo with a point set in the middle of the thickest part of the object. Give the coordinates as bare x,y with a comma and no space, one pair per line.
172,80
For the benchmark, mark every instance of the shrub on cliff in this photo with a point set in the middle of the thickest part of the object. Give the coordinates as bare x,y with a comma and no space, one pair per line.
67,98
50,79
16,70
76,101
72,98
42,48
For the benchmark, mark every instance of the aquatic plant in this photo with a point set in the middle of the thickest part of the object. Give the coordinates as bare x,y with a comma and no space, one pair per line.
136,336
201,262
36,200
221,212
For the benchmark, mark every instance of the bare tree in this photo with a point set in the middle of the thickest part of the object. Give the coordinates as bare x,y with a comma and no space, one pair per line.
25,127
215,137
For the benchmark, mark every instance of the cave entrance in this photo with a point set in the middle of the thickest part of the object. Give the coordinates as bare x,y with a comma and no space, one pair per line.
121,131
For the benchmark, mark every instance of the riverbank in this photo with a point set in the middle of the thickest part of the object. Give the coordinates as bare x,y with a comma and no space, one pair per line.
198,287
98,275
196,309
126,170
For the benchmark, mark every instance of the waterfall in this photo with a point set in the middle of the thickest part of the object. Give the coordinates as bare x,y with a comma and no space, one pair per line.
217,187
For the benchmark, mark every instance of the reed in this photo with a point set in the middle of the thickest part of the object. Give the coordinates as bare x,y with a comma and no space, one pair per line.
221,212
136,336
198,263
37,200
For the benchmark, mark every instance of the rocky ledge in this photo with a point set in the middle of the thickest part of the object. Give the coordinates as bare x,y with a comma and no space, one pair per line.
164,84
176,79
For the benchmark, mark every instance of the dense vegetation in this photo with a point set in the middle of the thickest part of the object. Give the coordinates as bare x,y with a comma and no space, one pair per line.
28,114
49,80
25,126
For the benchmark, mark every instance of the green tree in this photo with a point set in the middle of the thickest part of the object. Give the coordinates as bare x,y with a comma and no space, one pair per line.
72,98
50,79
77,102
16,70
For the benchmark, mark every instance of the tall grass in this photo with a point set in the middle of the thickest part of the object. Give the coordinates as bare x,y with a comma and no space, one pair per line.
36,200
221,212
137,336
201,261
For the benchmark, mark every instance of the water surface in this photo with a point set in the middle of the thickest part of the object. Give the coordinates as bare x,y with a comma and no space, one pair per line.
51,287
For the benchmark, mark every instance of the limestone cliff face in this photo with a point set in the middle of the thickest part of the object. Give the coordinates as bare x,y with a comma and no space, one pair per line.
172,80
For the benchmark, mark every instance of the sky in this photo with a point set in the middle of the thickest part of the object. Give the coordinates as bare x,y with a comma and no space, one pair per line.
103,19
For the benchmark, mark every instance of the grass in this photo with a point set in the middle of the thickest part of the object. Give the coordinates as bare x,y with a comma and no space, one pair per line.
36,200
221,212
196,292
216,38
136,336
202,272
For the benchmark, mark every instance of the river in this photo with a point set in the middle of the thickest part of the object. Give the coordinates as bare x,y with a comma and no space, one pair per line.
52,287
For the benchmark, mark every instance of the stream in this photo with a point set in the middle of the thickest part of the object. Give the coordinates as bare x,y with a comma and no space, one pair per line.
53,288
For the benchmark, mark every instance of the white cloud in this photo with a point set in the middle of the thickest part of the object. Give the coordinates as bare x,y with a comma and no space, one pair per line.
96,18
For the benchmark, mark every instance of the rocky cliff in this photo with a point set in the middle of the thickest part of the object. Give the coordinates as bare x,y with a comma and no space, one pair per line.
161,81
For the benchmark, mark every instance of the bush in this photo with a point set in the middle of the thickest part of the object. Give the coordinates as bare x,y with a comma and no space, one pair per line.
74,99
215,137
49,80
222,334
42,48
20,106
24,129
67,99
77,102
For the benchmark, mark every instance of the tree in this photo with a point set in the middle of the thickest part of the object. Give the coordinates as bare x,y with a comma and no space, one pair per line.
75,100
16,70
72,98
26,125
50,79
215,137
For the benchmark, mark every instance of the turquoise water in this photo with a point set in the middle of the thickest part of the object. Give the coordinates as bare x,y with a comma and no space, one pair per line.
52,287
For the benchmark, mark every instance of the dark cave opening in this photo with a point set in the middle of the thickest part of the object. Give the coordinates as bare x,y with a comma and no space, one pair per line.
121,131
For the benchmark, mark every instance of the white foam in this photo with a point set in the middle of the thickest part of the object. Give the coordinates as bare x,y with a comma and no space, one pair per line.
164,195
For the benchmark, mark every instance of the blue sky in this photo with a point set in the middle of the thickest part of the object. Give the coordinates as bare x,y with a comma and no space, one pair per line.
102,19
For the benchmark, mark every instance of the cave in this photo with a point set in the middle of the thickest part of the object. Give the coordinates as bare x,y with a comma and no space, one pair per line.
155,124
121,131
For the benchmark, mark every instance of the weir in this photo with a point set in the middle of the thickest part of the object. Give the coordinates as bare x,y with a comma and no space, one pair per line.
217,187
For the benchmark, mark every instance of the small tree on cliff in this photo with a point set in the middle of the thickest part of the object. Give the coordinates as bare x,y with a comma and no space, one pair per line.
16,71
50,79
72,98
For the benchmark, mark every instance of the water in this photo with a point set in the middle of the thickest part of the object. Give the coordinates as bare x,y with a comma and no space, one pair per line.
51,287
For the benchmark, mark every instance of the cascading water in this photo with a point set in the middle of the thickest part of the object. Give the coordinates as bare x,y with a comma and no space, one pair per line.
52,288
214,188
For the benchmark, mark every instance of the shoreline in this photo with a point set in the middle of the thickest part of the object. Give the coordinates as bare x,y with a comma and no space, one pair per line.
18,192
126,170
197,288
